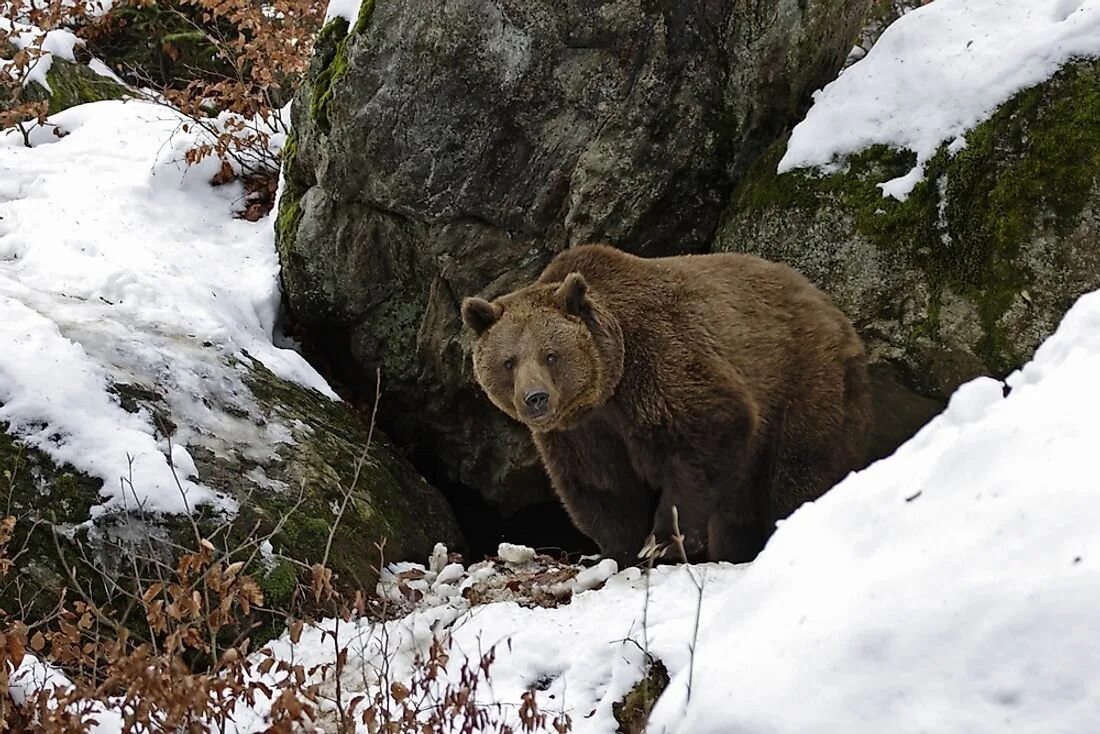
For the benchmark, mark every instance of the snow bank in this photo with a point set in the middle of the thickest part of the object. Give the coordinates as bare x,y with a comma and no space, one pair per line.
583,656
950,587
936,73
121,265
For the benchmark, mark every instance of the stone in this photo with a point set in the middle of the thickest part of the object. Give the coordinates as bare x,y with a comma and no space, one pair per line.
293,492
71,84
975,269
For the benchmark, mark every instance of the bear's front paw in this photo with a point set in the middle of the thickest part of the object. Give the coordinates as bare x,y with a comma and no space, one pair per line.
653,550
676,545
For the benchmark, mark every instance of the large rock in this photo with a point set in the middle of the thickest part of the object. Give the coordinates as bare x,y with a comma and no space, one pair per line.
452,149
285,455
70,84
970,273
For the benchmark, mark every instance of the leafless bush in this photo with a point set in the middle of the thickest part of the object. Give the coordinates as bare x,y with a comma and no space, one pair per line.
252,56
186,663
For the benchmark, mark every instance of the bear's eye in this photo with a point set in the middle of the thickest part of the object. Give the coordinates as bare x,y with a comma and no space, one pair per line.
551,358
509,364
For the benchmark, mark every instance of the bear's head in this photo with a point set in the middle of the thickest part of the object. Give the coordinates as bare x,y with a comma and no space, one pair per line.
546,354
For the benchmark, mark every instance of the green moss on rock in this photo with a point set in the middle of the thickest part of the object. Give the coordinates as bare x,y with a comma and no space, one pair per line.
332,49
43,497
632,713
73,84
1031,167
389,502
289,214
366,12
278,584
335,66
70,85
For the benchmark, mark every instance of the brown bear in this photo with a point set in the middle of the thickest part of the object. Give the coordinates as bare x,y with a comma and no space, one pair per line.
724,385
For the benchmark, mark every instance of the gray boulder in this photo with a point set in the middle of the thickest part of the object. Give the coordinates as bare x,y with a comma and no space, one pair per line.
290,489
975,269
448,149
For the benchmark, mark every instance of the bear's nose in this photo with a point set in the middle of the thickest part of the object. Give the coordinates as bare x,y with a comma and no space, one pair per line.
537,401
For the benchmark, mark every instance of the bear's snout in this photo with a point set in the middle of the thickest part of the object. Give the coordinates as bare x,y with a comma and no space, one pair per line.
536,402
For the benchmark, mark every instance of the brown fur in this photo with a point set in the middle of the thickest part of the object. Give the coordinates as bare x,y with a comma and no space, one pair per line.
724,385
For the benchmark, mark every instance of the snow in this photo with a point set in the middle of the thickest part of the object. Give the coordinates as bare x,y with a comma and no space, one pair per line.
516,554
585,655
121,265
346,9
59,42
949,587
936,73
34,675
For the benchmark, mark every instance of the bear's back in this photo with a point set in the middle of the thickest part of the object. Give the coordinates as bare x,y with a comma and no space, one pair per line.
766,319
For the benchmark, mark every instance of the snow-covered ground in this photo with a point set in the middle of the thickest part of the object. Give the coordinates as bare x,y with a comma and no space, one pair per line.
937,72
951,587
119,264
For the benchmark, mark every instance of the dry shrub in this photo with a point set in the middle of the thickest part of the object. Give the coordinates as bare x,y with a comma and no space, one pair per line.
182,677
231,66
187,665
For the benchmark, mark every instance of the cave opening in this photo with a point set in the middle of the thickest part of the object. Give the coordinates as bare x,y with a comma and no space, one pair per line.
544,526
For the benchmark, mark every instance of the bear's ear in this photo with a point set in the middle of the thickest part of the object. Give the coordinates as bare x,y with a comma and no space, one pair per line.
573,294
479,314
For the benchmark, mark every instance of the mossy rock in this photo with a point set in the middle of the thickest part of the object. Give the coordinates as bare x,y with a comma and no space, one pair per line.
330,470
335,453
72,84
632,713
43,497
969,274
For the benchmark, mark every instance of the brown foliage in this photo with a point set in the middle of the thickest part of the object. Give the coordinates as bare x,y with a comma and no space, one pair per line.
156,685
260,51
187,664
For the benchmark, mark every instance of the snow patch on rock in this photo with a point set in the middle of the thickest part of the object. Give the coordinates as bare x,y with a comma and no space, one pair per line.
937,72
